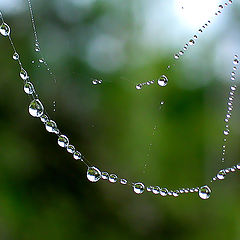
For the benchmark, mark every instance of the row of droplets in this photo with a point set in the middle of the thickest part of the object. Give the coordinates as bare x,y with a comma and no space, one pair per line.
230,100
162,82
193,40
36,109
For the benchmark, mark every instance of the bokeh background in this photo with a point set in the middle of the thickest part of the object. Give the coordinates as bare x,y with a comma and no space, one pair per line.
44,193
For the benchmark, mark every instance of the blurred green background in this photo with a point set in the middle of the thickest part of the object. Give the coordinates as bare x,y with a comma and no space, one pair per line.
44,193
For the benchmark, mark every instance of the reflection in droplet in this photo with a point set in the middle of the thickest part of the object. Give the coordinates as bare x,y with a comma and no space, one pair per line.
93,174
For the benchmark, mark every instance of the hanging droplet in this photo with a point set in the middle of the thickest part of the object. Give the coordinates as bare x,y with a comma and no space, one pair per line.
238,166
139,86
77,155
235,61
105,175
71,149
41,60
63,141
163,81
156,190
28,88
36,108
93,174
163,192
5,29
175,194
149,188
44,118
226,132
112,178
204,192
23,74
176,56
191,42
123,181
15,56
51,126
138,188
181,53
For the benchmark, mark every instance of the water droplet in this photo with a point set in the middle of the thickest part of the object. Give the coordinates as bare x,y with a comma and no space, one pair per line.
163,81
200,30
230,1
181,53
221,174
105,175
44,118
191,42
112,178
220,6
5,29
235,61
123,181
156,190
71,149
36,108
37,49
149,188
176,56
77,155
63,141
195,36
138,188
226,132
238,166
175,194
139,86
28,88
41,60
15,56
93,174
204,192
163,192
23,74
51,126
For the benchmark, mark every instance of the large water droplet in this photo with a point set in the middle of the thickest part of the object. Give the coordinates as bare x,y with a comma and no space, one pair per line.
28,88
138,188
5,29
93,174
36,108
204,192
163,81
63,141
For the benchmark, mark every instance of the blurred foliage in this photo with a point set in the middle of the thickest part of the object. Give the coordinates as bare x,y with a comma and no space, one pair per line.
44,193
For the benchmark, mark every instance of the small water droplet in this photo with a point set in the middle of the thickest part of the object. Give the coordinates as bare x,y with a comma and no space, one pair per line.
44,118
221,175
23,74
138,188
28,88
36,108
163,192
93,174
113,178
204,192
15,56
51,126
71,149
105,175
5,29
191,42
123,181
163,81
149,188
176,56
235,61
77,155
63,141
139,86
41,60
156,190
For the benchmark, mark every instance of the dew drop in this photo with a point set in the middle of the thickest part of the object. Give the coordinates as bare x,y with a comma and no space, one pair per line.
238,166
138,188
163,192
123,181
226,132
93,174
176,56
28,88
77,155
139,86
5,29
149,188
112,178
15,56
204,192
23,74
44,118
163,81
63,141
156,190
71,149
51,126
191,42
235,61
221,174
181,53
105,175
36,108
